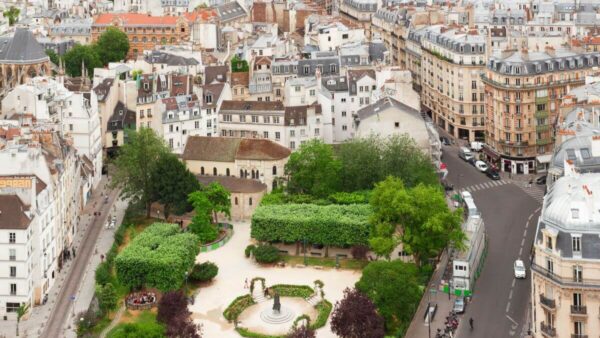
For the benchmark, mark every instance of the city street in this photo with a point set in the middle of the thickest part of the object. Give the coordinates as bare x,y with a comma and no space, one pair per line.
510,208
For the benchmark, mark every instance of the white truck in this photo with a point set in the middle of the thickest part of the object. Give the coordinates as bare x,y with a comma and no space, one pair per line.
476,146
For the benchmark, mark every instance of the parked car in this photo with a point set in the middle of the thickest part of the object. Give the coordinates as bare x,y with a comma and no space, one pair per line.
541,180
459,305
519,268
472,161
476,146
465,153
466,195
481,166
493,174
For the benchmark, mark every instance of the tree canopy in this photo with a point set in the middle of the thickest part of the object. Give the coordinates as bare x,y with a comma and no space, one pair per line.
78,54
174,313
238,65
171,184
53,56
12,14
313,170
355,316
394,289
219,198
107,296
201,224
112,45
422,215
135,163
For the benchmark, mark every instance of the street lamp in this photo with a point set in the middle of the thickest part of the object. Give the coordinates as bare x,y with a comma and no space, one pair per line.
186,286
305,251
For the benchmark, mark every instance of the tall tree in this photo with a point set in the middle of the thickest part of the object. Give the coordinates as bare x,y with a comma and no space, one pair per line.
313,170
220,200
78,55
201,224
172,182
135,163
107,297
53,56
361,163
112,45
402,158
393,287
12,14
355,316
173,312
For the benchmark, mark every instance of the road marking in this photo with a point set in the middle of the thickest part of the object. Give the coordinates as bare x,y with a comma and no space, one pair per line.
507,307
529,219
510,294
520,253
525,233
512,320
513,283
523,241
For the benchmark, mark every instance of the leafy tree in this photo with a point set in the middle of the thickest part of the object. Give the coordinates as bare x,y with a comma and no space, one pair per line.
13,16
402,158
394,289
112,45
138,330
53,56
266,254
171,183
135,163
201,223
21,311
173,312
361,163
313,170
359,251
355,316
383,246
81,54
301,332
107,297
220,200
204,272
238,65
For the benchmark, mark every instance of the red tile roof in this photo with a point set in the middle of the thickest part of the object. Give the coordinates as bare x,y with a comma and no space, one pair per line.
201,14
135,19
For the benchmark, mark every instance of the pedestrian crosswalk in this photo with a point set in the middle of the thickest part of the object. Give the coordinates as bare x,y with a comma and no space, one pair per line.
485,185
533,190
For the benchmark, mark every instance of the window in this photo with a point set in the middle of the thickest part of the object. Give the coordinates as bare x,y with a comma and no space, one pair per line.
577,300
254,118
276,119
344,127
70,127
236,201
297,89
577,273
343,114
292,145
292,133
312,92
227,173
12,237
274,170
575,213
266,119
306,69
578,327
197,124
277,135
265,134
473,84
12,307
316,131
13,289
13,271
585,153
549,265
333,68
201,170
12,254
250,201
214,171
576,242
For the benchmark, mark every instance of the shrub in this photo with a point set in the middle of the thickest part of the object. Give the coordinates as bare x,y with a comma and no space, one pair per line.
103,273
249,250
237,306
157,257
359,251
286,290
357,197
146,330
337,225
266,254
324,309
204,272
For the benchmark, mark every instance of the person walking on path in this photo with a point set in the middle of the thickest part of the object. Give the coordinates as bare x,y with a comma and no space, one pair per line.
246,283
471,323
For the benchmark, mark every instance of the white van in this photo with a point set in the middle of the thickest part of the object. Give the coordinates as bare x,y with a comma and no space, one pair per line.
465,153
476,146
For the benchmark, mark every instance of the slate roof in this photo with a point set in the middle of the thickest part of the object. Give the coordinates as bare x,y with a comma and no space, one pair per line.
328,65
170,59
356,74
234,184
383,104
335,83
532,63
121,118
230,11
229,105
229,149
22,48
12,213
215,90
215,73
103,88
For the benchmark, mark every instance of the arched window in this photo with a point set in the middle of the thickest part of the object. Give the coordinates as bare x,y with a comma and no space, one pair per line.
236,201
257,175
201,170
241,173
245,173
252,172
250,201
215,171
144,39
227,171
274,170
135,39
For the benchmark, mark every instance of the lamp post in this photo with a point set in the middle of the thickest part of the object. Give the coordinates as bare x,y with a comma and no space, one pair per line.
304,251
186,286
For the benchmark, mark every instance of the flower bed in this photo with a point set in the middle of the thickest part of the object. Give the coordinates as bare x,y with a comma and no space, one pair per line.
286,290
324,309
238,306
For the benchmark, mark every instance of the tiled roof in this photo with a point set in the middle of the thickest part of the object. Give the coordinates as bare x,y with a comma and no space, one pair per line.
261,149
240,79
215,73
134,19
12,213
22,48
229,149
234,184
252,105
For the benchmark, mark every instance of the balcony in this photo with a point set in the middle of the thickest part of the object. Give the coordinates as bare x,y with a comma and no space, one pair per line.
542,128
578,310
547,302
543,141
547,330
542,114
258,88
543,99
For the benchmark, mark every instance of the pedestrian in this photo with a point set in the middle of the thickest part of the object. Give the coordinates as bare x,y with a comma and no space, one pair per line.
471,323
102,258
246,283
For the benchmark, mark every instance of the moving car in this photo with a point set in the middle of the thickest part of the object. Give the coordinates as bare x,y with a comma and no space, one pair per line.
459,305
493,174
519,269
465,153
541,180
481,166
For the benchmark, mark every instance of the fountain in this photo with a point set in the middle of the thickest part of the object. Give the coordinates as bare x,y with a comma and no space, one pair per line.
278,314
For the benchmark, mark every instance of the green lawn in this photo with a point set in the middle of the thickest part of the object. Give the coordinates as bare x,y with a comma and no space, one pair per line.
142,322
352,264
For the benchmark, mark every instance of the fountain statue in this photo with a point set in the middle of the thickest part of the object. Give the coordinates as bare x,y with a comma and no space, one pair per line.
276,303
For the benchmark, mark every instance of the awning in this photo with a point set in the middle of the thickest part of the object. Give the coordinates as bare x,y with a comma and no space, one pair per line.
490,152
544,158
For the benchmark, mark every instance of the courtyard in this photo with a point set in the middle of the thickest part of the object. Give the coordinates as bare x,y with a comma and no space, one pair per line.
235,268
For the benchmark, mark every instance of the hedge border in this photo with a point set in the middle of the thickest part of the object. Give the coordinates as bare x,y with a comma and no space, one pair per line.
220,243
228,311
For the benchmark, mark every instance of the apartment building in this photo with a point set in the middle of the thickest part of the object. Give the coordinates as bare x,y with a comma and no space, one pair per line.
523,92
452,62
254,119
565,274
359,12
389,25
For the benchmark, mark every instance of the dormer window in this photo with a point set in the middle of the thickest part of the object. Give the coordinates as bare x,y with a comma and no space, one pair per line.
548,242
576,244
538,68
208,98
146,86
575,213
306,69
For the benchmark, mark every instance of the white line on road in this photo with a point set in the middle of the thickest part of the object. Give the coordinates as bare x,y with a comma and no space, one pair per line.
507,307
512,320
529,219
523,242
510,294
525,233
520,253
513,283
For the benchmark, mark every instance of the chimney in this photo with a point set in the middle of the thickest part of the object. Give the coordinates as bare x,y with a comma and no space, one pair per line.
550,51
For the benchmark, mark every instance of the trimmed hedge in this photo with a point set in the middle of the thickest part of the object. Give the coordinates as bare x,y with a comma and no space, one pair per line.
324,309
204,272
336,225
238,306
158,257
266,254
249,334
287,290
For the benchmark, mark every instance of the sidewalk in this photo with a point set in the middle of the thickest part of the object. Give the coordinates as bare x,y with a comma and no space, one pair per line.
33,323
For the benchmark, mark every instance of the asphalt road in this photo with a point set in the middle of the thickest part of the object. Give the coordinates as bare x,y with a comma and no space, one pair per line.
499,306
62,310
